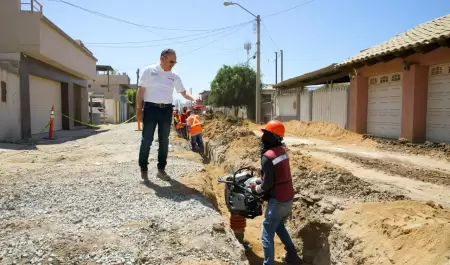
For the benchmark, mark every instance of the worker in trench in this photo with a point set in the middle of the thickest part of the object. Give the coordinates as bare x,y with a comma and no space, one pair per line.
277,190
195,130
183,129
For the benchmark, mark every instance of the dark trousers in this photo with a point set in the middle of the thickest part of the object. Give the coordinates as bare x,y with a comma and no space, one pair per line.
184,132
153,117
197,140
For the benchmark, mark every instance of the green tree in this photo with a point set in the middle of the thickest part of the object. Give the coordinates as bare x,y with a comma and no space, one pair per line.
131,97
234,86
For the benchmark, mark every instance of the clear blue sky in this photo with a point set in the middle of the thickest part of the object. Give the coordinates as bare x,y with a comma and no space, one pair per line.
312,36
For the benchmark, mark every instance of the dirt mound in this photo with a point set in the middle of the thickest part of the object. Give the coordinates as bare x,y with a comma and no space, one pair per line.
217,124
439,150
238,147
323,130
411,233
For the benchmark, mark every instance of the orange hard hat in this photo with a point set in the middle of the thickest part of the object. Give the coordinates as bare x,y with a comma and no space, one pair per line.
275,127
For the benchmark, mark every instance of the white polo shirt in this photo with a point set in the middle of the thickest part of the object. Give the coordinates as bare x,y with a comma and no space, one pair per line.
159,84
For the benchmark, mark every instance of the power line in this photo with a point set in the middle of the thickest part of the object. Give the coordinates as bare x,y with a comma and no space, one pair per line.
107,16
174,38
214,41
132,23
169,44
289,9
273,42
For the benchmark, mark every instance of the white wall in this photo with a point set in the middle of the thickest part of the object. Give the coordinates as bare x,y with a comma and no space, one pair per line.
110,110
305,100
287,105
10,110
330,105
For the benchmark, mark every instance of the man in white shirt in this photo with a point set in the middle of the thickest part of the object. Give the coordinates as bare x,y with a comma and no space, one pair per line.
154,109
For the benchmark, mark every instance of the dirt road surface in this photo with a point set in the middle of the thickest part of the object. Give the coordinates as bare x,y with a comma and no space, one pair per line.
416,176
83,202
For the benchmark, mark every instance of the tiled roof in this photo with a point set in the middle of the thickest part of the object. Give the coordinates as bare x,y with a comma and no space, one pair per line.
426,33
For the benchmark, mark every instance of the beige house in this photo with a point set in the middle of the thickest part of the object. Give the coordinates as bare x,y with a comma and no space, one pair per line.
111,87
40,66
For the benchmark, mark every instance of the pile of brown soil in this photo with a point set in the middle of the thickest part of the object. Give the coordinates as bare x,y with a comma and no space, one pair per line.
323,130
214,124
402,232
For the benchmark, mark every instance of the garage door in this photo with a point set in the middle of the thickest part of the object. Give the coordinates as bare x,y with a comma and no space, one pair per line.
43,94
384,110
438,104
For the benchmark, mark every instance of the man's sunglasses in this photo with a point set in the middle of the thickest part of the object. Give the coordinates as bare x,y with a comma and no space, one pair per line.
172,62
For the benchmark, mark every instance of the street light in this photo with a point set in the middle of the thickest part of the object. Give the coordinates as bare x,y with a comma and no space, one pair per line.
258,60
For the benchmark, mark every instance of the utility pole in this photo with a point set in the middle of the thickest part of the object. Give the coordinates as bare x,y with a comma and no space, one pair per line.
137,80
281,70
258,69
276,67
258,61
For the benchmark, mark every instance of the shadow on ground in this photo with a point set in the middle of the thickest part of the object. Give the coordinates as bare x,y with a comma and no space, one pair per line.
65,136
254,259
178,192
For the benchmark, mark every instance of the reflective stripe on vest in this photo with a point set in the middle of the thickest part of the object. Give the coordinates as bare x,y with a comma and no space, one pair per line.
279,159
196,121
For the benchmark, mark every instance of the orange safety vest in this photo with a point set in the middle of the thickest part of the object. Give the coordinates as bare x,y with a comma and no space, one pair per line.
195,125
178,125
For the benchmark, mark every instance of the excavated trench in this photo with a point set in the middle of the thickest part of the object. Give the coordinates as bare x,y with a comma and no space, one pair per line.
321,191
337,218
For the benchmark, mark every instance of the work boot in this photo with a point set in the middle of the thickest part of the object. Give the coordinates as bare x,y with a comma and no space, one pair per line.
144,175
163,175
291,257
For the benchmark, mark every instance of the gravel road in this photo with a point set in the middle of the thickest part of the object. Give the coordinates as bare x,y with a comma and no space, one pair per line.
83,202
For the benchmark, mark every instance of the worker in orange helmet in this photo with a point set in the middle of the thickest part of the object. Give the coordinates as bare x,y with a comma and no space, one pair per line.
195,130
277,189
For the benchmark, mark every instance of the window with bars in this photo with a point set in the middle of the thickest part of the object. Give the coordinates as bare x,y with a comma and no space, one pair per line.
384,79
436,70
395,78
373,81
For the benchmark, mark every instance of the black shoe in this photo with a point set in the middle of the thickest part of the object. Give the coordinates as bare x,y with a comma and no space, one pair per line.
163,175
292,258
144,175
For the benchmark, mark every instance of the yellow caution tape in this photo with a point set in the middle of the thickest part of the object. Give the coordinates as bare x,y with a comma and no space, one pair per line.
92,125
46,126
84,123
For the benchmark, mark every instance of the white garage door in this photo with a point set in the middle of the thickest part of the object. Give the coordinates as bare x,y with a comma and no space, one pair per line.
384,111
43,94
438,105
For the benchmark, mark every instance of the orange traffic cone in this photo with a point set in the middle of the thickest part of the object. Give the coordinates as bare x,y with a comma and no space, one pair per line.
52,118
